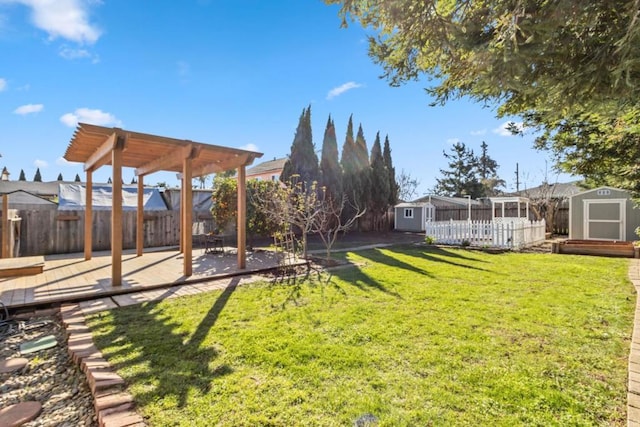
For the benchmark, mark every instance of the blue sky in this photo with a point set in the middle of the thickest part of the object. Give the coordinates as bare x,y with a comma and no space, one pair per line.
226,72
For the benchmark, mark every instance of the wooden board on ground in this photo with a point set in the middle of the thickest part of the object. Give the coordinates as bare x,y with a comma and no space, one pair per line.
26,266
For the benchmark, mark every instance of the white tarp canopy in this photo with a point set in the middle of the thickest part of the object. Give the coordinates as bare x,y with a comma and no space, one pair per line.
72,197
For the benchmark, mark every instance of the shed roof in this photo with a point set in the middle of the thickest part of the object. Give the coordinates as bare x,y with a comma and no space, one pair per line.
92,145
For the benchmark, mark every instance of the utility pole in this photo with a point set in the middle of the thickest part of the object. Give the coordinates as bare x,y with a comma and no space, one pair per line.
517,179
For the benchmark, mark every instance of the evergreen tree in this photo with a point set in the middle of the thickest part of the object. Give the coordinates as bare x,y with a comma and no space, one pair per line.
330,169
363,173
303,160
22,177
109,181
362,154
488,173
77,178
37,177
60,177
348,159
134,180
461,178
393,184
380,194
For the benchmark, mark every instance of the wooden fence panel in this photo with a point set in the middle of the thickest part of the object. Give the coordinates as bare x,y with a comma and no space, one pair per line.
53,232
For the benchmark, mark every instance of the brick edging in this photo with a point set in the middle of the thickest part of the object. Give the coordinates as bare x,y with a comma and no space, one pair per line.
113,405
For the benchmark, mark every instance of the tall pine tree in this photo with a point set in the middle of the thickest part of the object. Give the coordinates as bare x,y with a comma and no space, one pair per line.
77,178
380,194
22,177
349,160
37,177
363,172
460,179
331,171
388,162
60,177
488,173
303,160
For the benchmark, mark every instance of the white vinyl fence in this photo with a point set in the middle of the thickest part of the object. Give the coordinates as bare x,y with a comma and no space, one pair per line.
501,234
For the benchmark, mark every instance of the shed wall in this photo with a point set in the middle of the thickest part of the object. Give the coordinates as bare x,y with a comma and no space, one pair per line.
577,214
409,224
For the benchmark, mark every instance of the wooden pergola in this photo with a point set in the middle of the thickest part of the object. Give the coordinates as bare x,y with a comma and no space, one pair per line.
97,146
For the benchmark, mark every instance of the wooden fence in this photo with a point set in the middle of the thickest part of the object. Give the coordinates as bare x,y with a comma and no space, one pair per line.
501,234
54,232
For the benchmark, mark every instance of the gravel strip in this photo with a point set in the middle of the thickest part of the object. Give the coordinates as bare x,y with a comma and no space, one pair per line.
50,377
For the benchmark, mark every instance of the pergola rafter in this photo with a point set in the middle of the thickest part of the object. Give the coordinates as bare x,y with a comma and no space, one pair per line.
96,146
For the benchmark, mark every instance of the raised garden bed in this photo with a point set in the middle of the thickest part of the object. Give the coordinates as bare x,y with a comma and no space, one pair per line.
596,247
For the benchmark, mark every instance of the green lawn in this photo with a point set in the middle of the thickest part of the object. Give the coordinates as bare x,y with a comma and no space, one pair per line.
414,336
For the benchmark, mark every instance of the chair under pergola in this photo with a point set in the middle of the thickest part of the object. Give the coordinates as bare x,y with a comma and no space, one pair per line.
97,146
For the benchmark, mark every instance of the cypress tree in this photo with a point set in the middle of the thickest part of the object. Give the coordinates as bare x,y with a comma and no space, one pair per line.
60,177
37,177
77,178
388,162
362,154
363,171
330,169
303,160
22,177
348,160
380,194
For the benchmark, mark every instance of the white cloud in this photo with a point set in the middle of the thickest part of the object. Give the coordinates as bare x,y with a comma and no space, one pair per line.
67,19
250,147
453,141
478,132
40,163
61,161
94,117
337,91
3,84
28,109
503,130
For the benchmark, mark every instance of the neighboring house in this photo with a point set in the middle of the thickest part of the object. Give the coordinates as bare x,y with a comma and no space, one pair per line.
73,197
412,216
47,190
559,190
267,171
22,200
604,213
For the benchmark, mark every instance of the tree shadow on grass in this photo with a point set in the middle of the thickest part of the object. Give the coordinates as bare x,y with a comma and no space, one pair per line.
168,362
446,256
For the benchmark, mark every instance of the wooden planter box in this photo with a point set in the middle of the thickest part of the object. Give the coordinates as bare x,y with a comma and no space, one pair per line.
596,247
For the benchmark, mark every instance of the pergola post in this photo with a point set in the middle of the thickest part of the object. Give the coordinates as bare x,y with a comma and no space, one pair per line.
242,217
5,226
187,208
116,214
140,217
88,217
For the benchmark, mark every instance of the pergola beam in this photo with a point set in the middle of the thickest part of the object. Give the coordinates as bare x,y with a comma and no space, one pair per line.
102,155
169,161
221,166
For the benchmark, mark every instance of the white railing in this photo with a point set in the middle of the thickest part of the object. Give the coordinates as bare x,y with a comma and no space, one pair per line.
502,234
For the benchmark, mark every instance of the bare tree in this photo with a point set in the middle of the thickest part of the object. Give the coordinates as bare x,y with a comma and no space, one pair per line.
407,186
329,222
545,202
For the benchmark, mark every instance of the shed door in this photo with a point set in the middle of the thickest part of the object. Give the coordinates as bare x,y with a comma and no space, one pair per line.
604,219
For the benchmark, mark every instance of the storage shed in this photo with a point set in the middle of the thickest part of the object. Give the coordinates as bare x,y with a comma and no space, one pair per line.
412,216
604,213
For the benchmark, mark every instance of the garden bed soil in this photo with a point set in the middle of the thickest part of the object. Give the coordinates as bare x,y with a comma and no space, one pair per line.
597,247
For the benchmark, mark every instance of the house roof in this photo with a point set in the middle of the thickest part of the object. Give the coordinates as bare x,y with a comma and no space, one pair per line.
556,190
274,165
24,198
93,145
42,189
